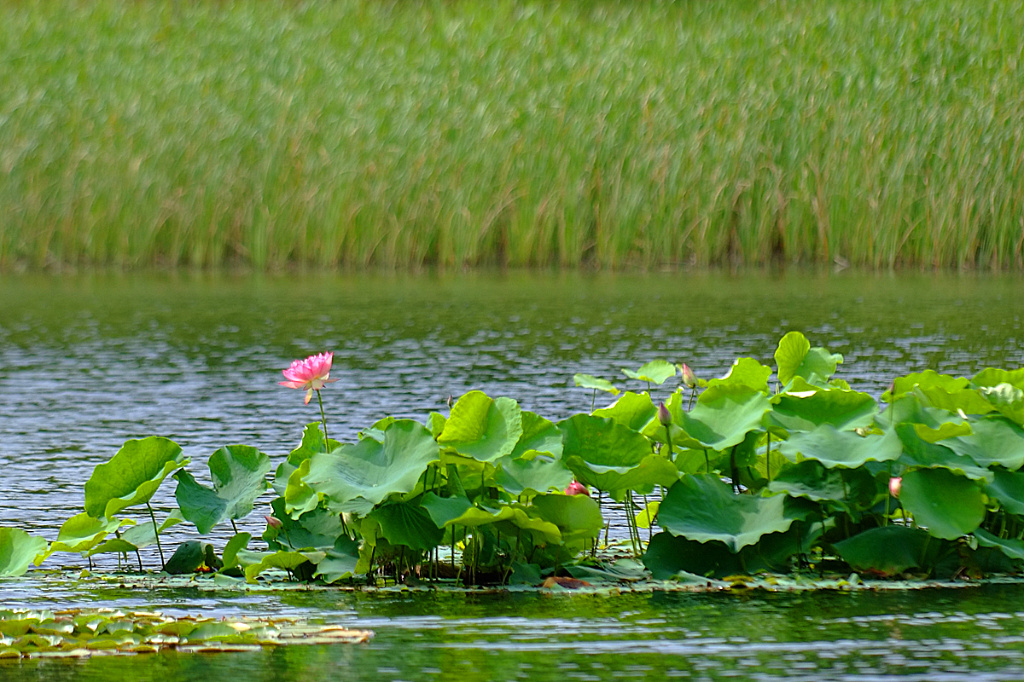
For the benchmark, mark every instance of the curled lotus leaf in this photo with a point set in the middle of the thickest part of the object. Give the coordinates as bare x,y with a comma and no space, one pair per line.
539,435
238,473
17,550
632,410
703,508
593,383
1008,488
993,376
918,452
723,416
796,358
993,440
1007,399
654,372
887,550
483,428
407,524
353,477
539,474
81,533
283,559
804,407
1010,547
132,475
746,372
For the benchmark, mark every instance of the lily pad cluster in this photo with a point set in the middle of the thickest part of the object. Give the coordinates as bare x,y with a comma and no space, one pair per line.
84,633
768,468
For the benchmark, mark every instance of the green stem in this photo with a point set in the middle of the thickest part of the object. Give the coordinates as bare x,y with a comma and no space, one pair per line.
693,392
233,526
707,461
668,437
323,420
156,532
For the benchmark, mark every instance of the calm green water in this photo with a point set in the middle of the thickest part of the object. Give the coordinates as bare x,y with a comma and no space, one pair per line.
88,361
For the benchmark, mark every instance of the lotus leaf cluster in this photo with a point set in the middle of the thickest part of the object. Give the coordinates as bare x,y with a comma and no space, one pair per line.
769,468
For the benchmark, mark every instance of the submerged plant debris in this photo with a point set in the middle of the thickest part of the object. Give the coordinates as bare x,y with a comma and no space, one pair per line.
80,633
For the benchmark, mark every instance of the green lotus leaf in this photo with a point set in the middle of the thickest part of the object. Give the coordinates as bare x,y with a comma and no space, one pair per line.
131,476
454,511
795,358
723,416
946,504
538,474
17,550
850,489
803,408
595,440
654,372
237,543
483,428
238,473
312,443
316,529
280,559
921,453
648,515
1007,399
943,391
1008,546
835,448
926,380
436,422
587,381
652,471
578,517
992,376
994,440
407,524
702,507
632,410
944,431
539,435
444,511
340,561
298,496
1008,488
746,372
887,550
81,533
137,536
189,556
354,476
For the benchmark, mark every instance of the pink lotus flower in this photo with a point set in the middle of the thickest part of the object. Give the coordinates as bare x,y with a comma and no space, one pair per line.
894,486
310,374
577,488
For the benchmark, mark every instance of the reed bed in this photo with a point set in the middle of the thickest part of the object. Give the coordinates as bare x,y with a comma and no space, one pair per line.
526,133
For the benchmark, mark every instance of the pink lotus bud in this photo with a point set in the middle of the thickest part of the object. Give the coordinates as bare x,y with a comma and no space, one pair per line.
577,488
273,522
663,415
689,378
894,486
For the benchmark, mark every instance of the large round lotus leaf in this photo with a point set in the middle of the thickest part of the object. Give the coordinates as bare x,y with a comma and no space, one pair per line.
459,511
632,410
746,372
370,471
131,476
81,533
587,381
17,550
340,562
994,440
702,507
723,416
804,410
483,428
573,514
316,529
887,550
539,435
850,489
1010,547
189,556
239,475
946,504
795,358
280,559
992,376
1008,488
407,524
298,496
603,442
920,453
953,394
835,448
538,474
654,372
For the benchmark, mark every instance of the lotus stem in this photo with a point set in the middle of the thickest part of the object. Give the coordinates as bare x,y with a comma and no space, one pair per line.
593,400
768,456
323,420
156,532
707,461
650,521
668,438
693,392
137,556
233,526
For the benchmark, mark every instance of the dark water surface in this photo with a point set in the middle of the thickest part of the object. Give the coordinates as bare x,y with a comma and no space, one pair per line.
88,361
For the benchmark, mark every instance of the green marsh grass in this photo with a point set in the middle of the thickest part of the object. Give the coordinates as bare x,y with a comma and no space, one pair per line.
606,134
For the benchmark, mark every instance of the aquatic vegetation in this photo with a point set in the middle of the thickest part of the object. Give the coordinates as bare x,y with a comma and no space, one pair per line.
780,469
82,633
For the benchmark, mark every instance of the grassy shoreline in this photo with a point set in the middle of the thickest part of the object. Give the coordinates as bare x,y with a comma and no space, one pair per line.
523,134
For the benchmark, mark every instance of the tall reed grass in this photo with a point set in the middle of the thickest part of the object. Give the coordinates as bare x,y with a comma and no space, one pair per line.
522,133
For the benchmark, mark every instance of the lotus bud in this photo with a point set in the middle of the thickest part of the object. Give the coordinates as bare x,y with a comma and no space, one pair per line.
273,522
663,415
894,486
577,488
689,378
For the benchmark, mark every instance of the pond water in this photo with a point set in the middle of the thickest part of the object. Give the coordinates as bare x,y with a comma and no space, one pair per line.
88,361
